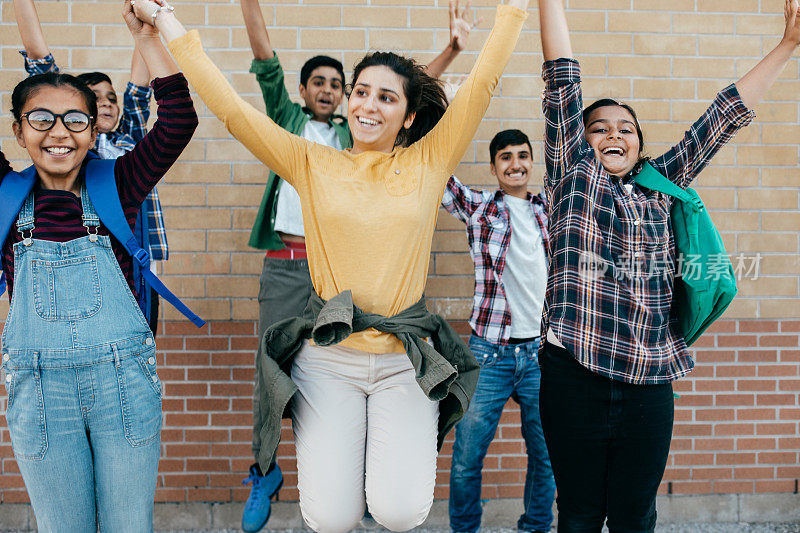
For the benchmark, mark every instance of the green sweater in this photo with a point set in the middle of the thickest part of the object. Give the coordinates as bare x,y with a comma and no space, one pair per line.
293,118
446,372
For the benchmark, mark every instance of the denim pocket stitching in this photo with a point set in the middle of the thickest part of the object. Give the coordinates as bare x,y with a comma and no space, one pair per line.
40,415
125,404
52,313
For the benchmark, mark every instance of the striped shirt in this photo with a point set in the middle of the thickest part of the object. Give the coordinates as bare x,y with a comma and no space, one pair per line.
489,233
57,214
616,320
132,129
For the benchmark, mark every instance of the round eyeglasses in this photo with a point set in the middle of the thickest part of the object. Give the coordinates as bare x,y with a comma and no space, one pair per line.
43,120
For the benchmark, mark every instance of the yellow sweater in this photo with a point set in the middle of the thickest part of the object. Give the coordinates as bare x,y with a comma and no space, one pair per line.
369,218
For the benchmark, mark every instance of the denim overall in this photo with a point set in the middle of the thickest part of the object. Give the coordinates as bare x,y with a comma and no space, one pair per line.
84,399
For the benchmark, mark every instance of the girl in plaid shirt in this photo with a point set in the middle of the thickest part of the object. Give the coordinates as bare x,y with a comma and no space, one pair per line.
612,349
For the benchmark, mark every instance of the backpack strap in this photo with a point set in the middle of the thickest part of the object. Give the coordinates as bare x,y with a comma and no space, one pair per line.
654,180
14,189
102,187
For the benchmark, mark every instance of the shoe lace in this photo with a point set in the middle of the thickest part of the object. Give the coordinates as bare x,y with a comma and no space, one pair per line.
255,492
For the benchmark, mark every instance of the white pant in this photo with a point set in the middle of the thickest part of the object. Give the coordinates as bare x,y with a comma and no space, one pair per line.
361,413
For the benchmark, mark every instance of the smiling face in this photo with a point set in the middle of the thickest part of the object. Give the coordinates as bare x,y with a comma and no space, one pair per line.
611,132
323,92
376,110
512,167
58,152
107,106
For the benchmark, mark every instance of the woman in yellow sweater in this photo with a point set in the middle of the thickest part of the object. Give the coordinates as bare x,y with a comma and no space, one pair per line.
369,216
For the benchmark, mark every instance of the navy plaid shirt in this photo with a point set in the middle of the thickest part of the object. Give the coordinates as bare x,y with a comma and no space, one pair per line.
609,288
132,129
489,234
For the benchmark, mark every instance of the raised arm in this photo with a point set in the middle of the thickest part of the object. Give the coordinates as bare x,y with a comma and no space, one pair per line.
156,58
554,31
460,27
562,105
281,151
256,30
30,30
461,201
755,84
446,143
136,100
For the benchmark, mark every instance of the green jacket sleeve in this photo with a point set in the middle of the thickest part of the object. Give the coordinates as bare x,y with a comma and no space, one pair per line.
269,75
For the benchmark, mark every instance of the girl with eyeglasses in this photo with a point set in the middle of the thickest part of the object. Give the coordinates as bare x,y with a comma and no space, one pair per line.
84,399
612,347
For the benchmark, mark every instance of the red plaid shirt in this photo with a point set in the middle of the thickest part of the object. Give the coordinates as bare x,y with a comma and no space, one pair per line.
489,233
615,320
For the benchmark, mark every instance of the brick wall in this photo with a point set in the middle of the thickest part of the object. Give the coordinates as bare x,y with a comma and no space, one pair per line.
737,418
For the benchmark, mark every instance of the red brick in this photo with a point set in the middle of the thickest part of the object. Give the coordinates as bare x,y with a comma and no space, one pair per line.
187,358
715,385
714,445
236,328
183,451
777,458
207,404
692,429
733,487
735,429
787,341
694,400
735,371
789,385
756,443
687,459
756,414
758,326
777,370
186,419
207,343
756,385
208,495
735,458
735,399
777,428
737,341
788,472
790,326
183,329
722,326
208,465
776,399
691,487
207,435
790,356
714,415
754,472
711,473
185,480
775,486
757,356
789,414
234,359
209,374
715,356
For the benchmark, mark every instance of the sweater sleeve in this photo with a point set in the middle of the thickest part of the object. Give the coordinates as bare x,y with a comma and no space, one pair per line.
139,170
446,143
281,151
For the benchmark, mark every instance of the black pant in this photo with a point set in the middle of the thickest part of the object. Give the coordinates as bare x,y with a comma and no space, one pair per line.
608,443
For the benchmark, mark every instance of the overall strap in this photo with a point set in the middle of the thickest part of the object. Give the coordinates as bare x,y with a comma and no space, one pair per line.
102,187
15,189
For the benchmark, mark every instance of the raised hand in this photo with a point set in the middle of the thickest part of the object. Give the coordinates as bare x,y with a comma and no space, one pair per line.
139,27
461,25
791,10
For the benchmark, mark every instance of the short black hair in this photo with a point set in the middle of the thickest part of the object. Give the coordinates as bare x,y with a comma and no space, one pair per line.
508,138
30,85
320,61
93,78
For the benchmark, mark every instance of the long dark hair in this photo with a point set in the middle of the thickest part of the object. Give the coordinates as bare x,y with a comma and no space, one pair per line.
610,102
29,86
424,93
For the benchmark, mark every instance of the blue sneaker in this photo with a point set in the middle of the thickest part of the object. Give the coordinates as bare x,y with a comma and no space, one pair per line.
257,509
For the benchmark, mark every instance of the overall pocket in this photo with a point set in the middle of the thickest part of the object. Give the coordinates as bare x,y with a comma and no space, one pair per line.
25,414
68,289
140,398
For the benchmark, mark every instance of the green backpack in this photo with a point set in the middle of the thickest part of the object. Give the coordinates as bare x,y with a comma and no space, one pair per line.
706,284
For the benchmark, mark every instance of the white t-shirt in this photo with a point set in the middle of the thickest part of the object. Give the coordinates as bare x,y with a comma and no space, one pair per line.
288,215
525,273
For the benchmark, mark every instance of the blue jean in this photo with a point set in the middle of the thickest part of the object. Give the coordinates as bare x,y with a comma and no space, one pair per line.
84,398
510,371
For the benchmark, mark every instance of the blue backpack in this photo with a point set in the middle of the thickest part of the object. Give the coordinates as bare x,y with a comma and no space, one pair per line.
102,188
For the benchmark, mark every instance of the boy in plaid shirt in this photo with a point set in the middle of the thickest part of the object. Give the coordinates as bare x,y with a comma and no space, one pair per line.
507,232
